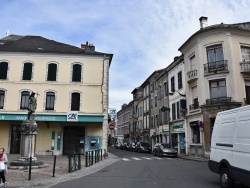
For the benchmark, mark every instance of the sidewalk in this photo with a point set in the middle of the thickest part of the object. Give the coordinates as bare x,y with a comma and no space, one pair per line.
194,158
42,177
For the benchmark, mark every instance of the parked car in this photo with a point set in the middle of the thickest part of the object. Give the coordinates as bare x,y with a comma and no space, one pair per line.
131,146
143,147
164,150
118,145
230,147
124,146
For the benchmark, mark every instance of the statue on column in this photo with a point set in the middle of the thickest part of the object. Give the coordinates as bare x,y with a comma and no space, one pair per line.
32,105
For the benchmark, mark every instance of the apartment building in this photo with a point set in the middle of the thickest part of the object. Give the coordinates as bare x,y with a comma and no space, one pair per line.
72,102
217,65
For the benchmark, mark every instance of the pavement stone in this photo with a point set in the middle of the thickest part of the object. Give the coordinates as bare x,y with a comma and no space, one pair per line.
42,177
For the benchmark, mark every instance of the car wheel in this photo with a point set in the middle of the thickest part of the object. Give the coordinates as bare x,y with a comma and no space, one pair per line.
225,180
154,153
160,154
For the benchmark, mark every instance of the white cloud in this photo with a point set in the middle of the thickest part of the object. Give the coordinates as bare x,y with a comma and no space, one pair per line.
143,35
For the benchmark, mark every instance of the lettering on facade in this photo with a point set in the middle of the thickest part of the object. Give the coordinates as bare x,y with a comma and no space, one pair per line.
2,117
178,128
72,116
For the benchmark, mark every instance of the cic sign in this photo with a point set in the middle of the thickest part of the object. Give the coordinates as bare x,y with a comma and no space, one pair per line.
72,116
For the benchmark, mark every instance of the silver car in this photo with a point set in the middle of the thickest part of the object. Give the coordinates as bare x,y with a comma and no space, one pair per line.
164,150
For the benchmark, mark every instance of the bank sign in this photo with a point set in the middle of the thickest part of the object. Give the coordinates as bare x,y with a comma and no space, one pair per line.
72,116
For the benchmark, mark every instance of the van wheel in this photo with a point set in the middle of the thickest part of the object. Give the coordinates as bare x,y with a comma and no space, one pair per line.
225,180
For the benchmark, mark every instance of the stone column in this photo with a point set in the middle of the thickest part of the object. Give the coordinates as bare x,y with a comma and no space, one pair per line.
28,131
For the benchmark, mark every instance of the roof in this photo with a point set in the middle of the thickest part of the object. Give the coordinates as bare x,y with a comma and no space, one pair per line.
240,26
38,44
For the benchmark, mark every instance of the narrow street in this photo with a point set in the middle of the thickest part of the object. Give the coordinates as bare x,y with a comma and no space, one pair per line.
143,170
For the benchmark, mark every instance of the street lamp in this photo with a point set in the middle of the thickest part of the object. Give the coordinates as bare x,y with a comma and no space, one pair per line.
183,95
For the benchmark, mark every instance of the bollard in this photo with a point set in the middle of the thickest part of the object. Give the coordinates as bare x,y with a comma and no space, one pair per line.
79,161
86,159
101,154
54,166
30,168
92,156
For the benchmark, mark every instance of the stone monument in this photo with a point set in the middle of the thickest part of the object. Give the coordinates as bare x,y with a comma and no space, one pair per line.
28,129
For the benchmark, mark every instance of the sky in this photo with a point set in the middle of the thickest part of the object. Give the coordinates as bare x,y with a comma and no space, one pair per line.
142,35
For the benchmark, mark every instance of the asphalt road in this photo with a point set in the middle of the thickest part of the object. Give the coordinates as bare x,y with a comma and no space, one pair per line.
142,170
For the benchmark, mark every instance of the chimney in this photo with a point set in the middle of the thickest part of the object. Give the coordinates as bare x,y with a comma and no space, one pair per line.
88,47
203,22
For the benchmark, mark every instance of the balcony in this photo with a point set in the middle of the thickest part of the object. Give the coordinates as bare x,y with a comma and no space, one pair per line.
194,106
192,75
215,67
246,101
219,100
245,66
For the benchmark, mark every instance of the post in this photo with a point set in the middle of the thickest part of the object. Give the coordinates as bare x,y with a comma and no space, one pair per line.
30,168
79,161
54,166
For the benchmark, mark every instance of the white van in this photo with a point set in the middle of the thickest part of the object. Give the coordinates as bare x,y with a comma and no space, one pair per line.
230,146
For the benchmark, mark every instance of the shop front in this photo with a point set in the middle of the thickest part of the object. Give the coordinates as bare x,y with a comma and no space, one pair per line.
58,134
178,137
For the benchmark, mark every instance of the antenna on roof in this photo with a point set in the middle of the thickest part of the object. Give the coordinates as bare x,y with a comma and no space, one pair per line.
7,33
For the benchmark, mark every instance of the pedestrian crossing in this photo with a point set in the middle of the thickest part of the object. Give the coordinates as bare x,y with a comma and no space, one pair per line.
147,158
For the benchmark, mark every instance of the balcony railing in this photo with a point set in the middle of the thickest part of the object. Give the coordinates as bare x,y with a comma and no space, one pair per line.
192,75
194,106
245,66
247,101
214,67
219,100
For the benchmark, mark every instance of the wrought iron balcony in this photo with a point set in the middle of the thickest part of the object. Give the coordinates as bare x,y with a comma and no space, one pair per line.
247,101
214,67
194,106
245,66
219,100
192,75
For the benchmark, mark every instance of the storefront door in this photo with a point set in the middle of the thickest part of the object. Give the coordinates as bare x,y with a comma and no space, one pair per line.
15,140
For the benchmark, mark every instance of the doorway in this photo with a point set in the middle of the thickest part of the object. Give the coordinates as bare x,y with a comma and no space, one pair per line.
73,139
15,140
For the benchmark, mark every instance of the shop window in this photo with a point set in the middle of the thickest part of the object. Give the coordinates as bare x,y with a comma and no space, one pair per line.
195,132
75,101
27,71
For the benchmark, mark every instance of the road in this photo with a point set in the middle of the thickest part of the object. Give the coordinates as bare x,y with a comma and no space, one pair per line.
143,170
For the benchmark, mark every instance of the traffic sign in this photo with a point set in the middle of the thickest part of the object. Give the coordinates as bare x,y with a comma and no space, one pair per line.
111,126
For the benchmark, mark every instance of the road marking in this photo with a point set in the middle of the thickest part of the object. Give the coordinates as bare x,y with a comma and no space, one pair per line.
147,158
136,158
157,158
125,159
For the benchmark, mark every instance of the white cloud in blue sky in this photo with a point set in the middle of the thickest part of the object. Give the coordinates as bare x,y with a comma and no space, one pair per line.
143,35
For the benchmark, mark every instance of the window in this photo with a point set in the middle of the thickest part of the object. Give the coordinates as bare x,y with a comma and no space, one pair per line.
159,92
27,71
3,70
196,134
155,101
50,101
192,63
245,53
218,89
2,96
195,104
172,84
75,101
156,121
166,88
24,99
160,116
179,80
215,53
52,72
76,73
173,112
178,110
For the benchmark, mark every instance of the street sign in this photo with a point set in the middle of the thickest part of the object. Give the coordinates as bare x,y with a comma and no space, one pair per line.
111,126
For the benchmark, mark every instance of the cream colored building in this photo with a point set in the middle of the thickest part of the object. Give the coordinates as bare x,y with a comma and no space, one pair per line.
72,83
217,64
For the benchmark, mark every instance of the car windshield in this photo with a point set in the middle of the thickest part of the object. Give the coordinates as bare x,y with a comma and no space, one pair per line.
166,146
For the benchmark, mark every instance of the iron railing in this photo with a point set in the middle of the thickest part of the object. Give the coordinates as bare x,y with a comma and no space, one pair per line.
219,100
74,162
245,66
214,67
194,106
93,156
192,74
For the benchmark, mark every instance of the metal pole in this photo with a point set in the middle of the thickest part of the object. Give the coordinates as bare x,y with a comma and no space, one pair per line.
30,168
54,166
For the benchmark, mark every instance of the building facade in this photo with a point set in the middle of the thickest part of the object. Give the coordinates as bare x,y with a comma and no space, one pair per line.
72,102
